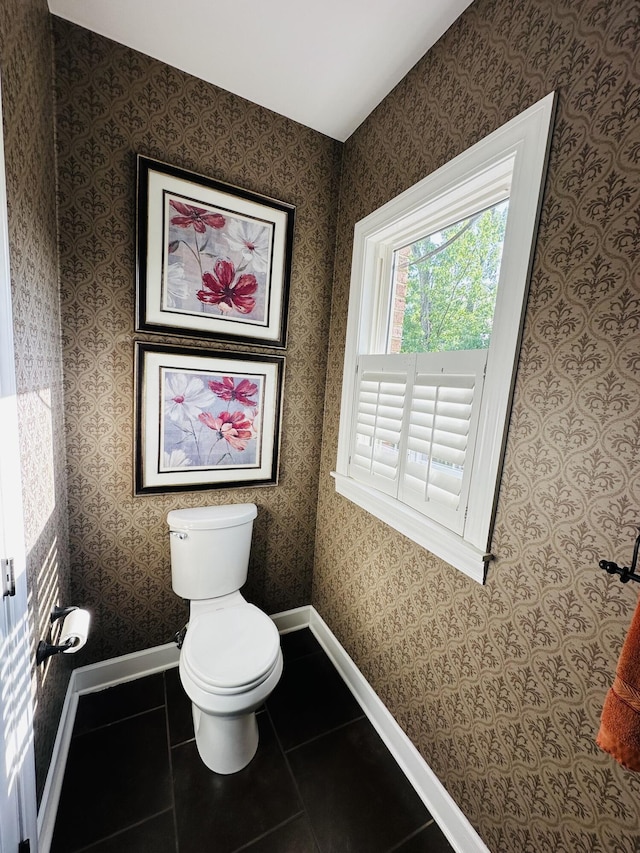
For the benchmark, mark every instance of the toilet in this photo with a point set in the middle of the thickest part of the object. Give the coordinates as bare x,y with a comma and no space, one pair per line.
231,659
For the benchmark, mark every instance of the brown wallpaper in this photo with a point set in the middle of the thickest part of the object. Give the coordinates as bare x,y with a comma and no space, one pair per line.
27,84
113,103
501,686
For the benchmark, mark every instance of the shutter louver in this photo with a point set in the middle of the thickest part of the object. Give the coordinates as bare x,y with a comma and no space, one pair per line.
415,426
380,406
438,434
447,390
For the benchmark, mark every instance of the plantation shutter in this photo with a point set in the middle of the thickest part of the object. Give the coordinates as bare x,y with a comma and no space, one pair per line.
441,428
381,397
415,428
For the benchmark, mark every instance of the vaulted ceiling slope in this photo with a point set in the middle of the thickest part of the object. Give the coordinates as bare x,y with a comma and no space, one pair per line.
326,65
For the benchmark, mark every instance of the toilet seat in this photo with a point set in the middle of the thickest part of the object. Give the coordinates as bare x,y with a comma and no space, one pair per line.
230,650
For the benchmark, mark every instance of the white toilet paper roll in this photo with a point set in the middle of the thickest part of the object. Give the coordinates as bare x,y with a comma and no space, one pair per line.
75,627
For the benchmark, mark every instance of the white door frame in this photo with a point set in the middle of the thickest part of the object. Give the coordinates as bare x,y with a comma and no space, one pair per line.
18,804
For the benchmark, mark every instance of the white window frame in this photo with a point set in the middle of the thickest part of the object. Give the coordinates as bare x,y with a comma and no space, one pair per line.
509,162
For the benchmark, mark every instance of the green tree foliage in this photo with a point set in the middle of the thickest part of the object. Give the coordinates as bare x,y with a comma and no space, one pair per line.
452,280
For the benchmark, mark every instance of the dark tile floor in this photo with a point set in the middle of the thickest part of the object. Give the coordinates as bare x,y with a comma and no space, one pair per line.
322,780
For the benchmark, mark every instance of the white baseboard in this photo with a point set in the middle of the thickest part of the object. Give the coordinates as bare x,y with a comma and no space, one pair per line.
107,673
88,679
293,620
53,783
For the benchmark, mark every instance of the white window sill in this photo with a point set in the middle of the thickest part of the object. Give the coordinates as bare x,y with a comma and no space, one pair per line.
415,526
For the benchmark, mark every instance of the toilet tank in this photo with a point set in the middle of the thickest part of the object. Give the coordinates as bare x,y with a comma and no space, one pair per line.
210,548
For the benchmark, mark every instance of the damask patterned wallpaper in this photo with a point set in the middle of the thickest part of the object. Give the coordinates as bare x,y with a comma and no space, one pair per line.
113,103
27,85
501,686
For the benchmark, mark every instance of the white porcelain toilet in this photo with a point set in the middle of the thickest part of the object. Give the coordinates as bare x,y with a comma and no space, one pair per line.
231,658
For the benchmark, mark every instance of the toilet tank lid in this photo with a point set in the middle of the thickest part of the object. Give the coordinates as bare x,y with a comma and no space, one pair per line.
211,517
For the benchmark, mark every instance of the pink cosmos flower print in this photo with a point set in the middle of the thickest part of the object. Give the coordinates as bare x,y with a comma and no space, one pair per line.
234,428
195,217
227,292
240,393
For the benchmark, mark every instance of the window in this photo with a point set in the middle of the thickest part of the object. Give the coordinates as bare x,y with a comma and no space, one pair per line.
444,285
438,291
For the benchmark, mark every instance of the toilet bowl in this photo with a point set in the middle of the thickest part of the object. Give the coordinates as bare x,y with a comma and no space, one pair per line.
229,663
231,659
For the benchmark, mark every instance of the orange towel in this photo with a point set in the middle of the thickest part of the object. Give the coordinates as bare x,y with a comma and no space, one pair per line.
619,733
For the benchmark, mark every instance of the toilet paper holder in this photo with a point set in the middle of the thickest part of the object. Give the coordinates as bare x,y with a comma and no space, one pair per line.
46,650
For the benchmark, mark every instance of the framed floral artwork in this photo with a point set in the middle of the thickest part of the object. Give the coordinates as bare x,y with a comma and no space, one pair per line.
213,260
205,420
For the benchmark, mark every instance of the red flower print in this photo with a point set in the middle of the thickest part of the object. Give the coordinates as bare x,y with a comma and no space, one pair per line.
195,217
223,291
228,390
234,428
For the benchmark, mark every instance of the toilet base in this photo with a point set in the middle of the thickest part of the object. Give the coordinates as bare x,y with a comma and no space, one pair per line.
225,744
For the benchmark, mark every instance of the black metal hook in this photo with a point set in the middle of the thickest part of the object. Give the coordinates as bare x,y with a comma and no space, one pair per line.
627,573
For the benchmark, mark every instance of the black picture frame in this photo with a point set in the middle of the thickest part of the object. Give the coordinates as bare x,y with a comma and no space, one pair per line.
213,260
205,419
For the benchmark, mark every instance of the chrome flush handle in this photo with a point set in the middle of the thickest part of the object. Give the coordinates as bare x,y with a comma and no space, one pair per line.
178,534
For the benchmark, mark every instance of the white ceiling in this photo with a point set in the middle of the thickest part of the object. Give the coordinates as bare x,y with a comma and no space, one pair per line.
326,64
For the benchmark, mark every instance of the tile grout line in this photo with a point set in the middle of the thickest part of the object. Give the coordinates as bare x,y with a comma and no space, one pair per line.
268,832
293,779
116,722
416,832
98,841
324,734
